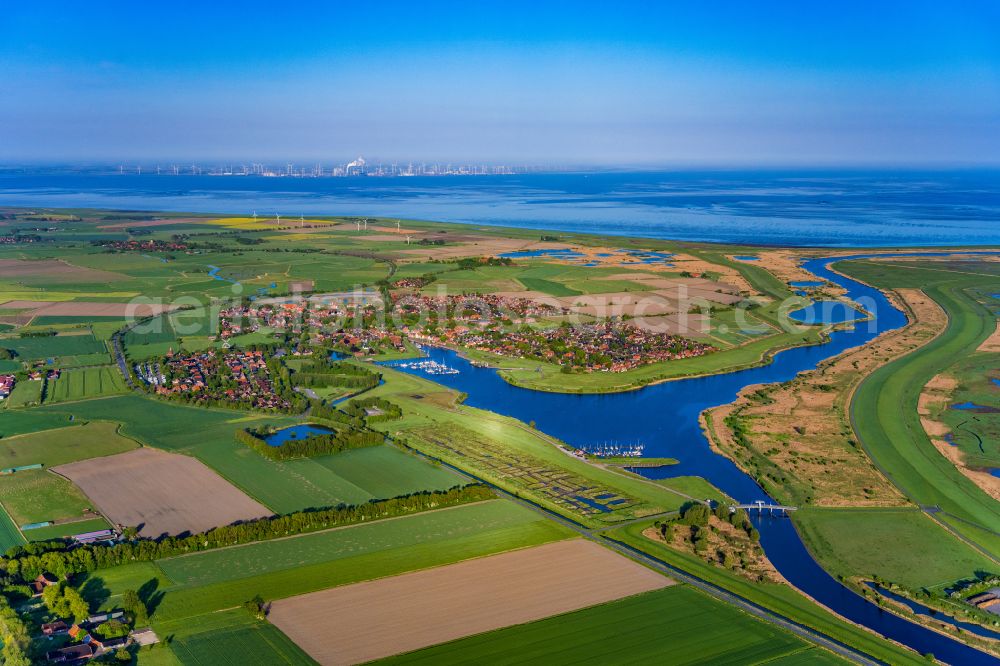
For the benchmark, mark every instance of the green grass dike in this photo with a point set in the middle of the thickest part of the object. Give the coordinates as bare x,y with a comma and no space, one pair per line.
884,407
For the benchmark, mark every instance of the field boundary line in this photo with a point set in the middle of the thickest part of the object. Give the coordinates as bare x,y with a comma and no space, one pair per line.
325,530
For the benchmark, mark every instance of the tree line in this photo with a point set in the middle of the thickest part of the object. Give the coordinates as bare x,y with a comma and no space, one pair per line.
59,558
314,445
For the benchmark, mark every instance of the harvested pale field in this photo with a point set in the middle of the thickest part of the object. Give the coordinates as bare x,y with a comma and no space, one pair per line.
660,282
366,621
300,285
802,426
689,325
161,493
88,309
53,270
992,343
698,266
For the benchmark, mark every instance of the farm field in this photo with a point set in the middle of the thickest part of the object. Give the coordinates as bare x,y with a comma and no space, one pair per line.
38,495
214,580
85,383
63,445
676,625
521,586
853,542
237,640
161,493
283,486
55,346
9,536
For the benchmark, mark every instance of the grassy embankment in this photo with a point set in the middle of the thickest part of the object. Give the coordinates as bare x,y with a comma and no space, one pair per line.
884,408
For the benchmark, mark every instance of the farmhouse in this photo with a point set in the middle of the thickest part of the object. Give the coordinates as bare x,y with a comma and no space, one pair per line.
41,582
6,385
56,628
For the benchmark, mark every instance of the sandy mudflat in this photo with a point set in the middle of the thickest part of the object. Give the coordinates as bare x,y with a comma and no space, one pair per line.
365,621
161,492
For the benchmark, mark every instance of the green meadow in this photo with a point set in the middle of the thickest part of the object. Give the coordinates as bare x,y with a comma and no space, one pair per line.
206,582
64,445
244,641
675,625
283,486
55,346
884,407
852,542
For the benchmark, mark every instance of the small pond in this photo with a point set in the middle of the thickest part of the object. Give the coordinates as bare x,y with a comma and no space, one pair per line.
296,432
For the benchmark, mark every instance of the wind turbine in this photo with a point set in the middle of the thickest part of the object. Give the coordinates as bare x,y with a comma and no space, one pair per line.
302,221
255,217
277,220
358,223
397,226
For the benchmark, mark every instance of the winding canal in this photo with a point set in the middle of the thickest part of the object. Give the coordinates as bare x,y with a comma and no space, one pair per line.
664,417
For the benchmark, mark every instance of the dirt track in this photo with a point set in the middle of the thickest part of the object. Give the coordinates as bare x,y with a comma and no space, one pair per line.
163,492
365,621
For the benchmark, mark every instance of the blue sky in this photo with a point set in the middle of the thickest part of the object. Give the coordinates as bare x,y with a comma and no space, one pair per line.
704,83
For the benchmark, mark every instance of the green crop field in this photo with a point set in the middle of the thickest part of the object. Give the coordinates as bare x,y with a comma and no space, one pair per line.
922,553
547,286
63,445
55,346
884,407
22,421
85,383
357,540
676,625
385,471
213,580
9,536
243,641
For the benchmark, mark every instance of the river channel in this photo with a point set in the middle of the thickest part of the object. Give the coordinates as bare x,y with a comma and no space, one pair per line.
664,418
